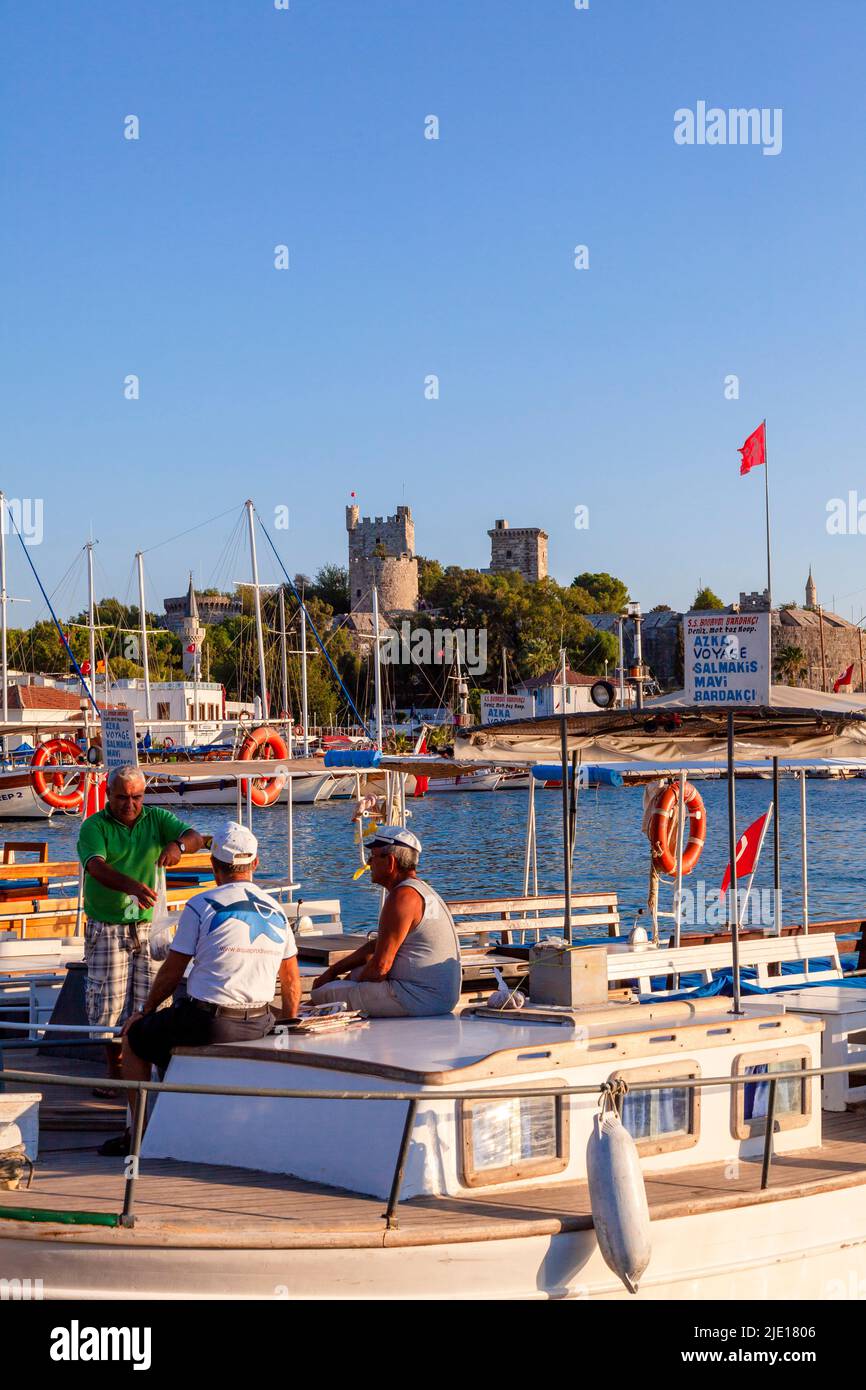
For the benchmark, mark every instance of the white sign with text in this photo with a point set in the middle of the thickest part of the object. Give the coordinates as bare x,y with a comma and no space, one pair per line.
119,746
727,658
498,709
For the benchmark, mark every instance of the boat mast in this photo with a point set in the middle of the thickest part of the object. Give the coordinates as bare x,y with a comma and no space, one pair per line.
148,709
258,608
284,656
90,619
3,620
305,711
377,669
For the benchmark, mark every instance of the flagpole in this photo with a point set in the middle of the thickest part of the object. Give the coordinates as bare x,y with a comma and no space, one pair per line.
767,511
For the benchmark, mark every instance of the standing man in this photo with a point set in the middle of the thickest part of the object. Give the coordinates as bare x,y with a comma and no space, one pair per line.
412,968
121,849
240,943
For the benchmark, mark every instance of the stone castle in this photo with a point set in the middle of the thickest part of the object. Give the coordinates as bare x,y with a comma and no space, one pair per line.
518,548
382,553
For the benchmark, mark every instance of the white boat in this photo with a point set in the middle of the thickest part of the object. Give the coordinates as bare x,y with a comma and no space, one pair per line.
465,782
494,1200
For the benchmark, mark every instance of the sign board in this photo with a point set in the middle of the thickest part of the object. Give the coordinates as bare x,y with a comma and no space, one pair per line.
119,745
498,709
727,658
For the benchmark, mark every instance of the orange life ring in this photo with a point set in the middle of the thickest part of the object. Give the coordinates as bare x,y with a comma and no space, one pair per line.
263,742
662,828
52,787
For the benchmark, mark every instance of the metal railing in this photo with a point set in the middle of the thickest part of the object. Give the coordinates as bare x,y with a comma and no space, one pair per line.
144,1088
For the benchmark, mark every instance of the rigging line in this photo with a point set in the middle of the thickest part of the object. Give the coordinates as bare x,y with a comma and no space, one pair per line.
78,670
189,530
313,627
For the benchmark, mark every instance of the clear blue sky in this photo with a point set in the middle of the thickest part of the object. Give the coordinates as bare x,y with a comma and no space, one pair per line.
409,256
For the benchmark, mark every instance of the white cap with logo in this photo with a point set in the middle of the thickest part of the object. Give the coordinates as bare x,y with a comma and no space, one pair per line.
234,845
394,835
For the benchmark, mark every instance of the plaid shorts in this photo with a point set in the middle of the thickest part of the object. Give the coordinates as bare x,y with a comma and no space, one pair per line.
119,977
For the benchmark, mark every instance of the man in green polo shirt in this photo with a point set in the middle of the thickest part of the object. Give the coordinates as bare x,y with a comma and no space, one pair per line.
121,848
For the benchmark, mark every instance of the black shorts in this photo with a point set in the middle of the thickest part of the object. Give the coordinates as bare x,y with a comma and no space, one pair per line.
184,1024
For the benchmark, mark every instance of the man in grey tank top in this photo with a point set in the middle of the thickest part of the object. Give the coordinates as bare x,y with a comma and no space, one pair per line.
412,967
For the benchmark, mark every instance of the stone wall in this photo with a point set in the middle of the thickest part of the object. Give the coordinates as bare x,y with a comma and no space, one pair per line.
518,548
382,553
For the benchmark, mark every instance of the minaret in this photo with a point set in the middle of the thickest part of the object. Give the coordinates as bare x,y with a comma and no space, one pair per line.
191,636
811,591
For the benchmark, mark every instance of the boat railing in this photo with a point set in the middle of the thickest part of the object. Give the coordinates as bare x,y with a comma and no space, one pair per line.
132,1164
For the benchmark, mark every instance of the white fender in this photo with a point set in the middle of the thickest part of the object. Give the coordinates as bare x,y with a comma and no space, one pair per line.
618,1197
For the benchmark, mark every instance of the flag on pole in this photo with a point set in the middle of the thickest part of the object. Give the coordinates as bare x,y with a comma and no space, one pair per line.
754,452
844,679
94,797
748,849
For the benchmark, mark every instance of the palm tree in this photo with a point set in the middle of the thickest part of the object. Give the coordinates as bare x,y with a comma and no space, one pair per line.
789,665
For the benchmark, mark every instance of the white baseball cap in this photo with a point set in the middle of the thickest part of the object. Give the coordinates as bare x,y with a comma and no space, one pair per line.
393,835
234,845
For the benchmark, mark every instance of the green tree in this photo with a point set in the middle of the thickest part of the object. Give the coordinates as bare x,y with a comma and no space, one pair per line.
706,599
608,593
332,587
789,664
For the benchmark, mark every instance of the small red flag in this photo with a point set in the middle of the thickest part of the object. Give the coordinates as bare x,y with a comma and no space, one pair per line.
85,668
191,648
754,451
844,679
747,851
95,797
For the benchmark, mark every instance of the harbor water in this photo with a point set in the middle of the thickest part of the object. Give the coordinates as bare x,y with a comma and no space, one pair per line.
473,846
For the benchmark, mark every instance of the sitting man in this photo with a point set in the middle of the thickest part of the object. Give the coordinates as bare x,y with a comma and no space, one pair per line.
239,941
412,968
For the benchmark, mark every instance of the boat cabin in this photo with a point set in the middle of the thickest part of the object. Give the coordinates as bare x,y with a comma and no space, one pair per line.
466,1142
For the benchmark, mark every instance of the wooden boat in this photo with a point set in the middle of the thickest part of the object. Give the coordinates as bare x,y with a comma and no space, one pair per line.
255,1196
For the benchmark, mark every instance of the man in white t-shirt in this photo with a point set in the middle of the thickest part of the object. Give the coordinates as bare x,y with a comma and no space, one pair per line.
239,942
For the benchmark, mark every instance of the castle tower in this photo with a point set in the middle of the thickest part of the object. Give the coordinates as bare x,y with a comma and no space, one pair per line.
811,591
191,636
382,553
520,548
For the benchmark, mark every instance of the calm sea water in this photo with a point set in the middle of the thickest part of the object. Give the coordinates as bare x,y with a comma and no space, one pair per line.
473,845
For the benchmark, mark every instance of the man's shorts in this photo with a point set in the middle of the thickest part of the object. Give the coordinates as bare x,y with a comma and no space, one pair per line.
118,976
185,1024
373,997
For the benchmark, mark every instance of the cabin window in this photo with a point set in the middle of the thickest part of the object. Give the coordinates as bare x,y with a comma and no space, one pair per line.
503,1140
162,709
793,1096
667,1118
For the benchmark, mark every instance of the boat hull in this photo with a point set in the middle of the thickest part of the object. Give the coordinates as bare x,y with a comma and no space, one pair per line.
805,1247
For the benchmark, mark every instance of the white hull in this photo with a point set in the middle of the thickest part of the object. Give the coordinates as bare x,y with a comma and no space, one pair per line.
807,1247
305,790
18,800
471,782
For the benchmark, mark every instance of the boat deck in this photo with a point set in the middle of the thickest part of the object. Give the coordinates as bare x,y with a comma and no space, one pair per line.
206,1205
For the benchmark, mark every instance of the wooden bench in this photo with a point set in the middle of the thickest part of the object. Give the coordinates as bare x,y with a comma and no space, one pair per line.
761,954
483,918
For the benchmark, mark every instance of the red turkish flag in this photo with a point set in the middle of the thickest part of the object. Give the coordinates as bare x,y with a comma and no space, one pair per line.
95,798
191,648
85,668
844,679
747,850
754,451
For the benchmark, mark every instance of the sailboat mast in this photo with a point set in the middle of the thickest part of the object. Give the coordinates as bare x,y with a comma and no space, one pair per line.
4,658
90,618
305,713
377,668
148,708
260,640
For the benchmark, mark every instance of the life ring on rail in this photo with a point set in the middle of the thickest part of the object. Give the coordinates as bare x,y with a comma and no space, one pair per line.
263,742
54,788
662,830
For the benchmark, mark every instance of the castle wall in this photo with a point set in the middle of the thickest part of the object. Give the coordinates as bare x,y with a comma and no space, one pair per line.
518,549
382,553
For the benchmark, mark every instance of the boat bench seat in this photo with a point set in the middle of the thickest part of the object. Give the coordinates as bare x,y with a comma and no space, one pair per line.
503,918
761,954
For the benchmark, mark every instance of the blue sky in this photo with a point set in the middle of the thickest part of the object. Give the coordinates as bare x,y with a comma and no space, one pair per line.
558,387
